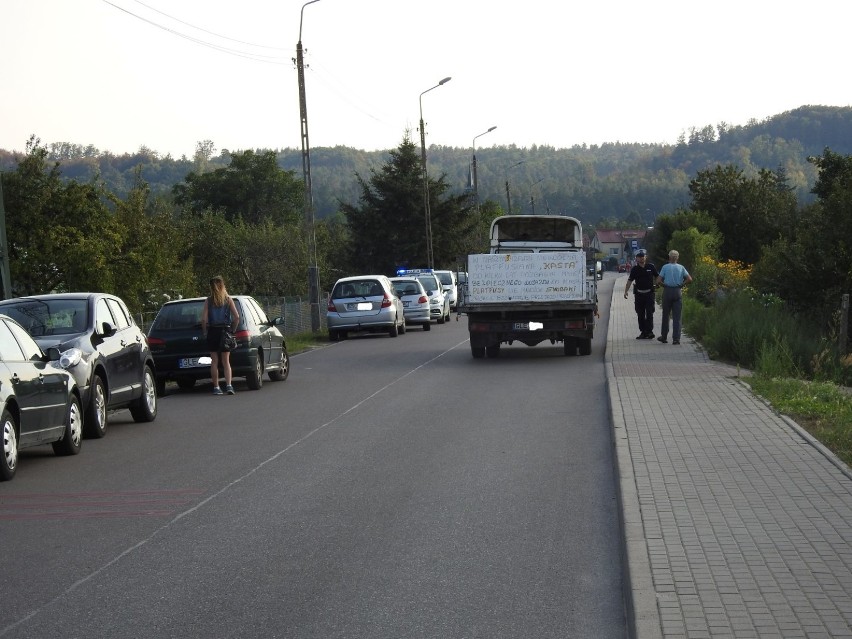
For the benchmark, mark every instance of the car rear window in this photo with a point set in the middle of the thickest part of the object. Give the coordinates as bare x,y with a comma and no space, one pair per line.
177,316
357,288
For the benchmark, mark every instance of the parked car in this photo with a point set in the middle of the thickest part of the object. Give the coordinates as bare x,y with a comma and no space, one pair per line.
41,401
180,350
415,301
364,303
102,347
439,303
449,285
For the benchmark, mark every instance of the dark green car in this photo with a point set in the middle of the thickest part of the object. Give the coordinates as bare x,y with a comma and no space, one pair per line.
180,350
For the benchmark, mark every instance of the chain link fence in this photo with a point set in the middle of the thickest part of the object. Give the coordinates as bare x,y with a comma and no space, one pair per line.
296,312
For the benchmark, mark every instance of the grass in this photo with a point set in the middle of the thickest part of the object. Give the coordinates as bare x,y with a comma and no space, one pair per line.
301,342
824,409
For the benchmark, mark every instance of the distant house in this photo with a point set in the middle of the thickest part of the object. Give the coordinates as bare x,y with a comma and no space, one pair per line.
620,244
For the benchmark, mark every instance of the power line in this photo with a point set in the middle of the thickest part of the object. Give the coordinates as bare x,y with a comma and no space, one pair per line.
262,46
235,52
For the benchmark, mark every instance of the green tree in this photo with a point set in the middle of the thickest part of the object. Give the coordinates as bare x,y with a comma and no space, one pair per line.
251,188
61,235
388,228
750,212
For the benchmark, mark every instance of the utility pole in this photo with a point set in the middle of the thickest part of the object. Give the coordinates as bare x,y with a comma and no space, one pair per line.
5,280
313,268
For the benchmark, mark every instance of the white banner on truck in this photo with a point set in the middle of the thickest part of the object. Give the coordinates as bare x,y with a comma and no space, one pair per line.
527,277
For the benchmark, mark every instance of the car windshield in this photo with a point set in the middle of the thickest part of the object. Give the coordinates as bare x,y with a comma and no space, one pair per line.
177,316
357,288
51,317
446,278
429,282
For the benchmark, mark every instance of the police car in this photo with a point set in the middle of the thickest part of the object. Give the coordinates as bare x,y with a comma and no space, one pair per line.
439,302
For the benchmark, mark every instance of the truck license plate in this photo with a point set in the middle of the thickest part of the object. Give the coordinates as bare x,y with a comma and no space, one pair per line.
520,326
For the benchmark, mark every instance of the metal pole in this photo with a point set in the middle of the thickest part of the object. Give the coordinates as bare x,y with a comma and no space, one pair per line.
430,260
844,323
475,180
508,197
5,279
313,267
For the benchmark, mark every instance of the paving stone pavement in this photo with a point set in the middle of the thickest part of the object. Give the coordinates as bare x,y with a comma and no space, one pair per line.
736,522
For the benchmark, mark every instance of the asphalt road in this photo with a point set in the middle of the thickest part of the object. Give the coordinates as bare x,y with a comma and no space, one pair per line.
389,488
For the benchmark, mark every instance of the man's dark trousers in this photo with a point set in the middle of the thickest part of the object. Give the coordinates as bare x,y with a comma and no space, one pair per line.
644,305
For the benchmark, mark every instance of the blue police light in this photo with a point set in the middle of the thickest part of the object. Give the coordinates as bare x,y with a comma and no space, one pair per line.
412,271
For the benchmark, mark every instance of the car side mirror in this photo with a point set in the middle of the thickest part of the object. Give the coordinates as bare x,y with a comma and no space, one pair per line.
53,354
107,329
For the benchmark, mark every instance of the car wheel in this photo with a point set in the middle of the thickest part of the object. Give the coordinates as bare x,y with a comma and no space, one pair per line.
333,336
284,368
441,319
185,384
393,330
447,316
144,409
72,440
427,326
402,328
255,378
9,459
96,412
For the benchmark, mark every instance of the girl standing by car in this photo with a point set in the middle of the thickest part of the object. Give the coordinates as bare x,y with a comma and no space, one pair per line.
218,316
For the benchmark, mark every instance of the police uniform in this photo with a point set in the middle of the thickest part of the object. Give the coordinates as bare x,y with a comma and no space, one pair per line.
643,277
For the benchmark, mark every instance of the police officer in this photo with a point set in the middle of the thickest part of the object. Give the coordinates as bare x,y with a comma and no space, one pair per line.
642,275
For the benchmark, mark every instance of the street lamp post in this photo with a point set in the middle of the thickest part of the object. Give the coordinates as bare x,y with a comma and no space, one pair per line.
428,214
473,165
532,196
509,197
313,268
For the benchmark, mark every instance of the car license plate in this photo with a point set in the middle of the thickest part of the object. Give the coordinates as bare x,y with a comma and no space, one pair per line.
192,362
405,303
365,306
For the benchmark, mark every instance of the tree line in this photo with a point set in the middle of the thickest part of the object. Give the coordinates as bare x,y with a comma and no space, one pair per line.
598,183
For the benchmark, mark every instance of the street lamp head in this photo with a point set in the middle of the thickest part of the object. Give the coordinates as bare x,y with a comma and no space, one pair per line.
491,129
444,81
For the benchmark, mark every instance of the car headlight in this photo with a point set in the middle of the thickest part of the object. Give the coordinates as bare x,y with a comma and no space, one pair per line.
71,357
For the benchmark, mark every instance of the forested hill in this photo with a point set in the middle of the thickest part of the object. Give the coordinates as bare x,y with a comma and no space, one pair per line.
612,181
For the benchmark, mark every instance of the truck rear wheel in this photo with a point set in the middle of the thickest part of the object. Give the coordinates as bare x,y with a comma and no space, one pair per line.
478,352
585,346
493,350
570,346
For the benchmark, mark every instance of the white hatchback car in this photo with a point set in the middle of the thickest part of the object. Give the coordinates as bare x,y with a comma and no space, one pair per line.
439,303
364,303
415,301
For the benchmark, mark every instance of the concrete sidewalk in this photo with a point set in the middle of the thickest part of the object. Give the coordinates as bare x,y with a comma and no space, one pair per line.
737,523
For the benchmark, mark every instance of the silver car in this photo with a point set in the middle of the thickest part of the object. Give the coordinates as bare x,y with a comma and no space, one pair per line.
439,303
415,301
364,303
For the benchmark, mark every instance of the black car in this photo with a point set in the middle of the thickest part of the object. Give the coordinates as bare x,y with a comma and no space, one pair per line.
102,347
180,350
41,403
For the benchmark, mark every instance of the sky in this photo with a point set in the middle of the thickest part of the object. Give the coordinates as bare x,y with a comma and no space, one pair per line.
169,74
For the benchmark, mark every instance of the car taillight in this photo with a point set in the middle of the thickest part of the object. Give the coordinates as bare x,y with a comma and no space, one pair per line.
422,300
242,335
386,301
156,342
331,306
